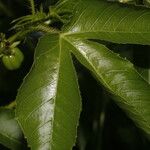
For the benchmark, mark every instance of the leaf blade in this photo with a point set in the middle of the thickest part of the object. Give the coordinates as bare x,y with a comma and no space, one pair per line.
108,21
119,77
50,120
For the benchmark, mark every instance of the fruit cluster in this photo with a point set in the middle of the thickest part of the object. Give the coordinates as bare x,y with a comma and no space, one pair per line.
11,55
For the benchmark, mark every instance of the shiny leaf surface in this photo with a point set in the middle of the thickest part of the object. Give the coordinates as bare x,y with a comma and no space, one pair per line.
48,103
118,75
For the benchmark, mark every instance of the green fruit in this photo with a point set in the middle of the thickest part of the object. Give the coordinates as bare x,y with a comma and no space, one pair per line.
14,60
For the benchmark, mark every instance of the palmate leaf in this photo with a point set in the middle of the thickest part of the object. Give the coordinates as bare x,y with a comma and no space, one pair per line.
10,132
48,102
119,24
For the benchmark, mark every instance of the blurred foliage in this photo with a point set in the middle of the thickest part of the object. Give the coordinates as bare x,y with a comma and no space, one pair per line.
103,126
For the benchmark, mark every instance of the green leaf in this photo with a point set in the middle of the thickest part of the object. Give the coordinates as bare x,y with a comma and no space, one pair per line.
107,21
118,75
114,23
10,133
48,102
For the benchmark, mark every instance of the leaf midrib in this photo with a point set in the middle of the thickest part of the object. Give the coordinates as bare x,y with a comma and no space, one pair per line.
100,31
55,98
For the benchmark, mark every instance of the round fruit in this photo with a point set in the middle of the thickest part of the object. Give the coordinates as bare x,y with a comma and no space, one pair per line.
13,61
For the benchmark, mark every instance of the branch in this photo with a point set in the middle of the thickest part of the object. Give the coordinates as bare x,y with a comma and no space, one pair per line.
32,6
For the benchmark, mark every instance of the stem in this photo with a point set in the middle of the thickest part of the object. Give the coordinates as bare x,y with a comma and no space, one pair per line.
32,6
56,16
45,28
14,37
11,105
40,27
5,10
32,23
